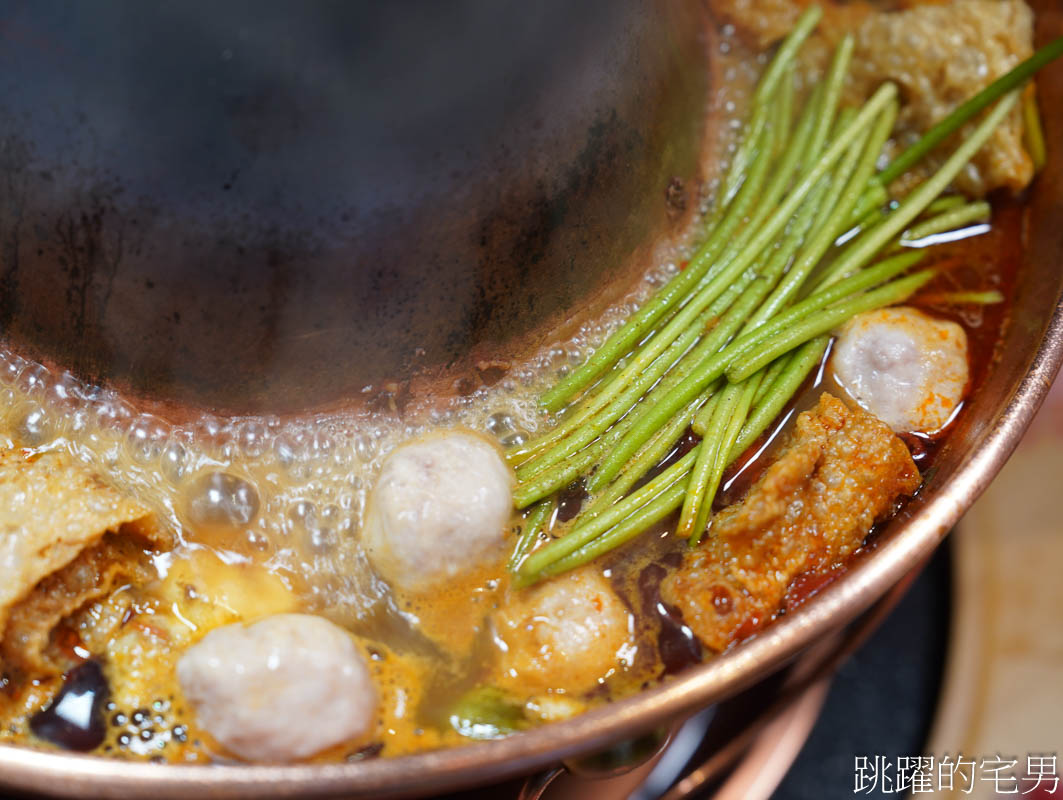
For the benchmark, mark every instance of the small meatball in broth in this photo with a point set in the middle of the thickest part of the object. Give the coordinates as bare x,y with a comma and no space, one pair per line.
906,368
440,508
281,689
566,634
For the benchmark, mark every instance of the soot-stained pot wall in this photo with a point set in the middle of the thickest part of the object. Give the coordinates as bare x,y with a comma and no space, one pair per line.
270,205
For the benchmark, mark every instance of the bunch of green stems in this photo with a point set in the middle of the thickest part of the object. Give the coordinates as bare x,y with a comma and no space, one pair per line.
799,242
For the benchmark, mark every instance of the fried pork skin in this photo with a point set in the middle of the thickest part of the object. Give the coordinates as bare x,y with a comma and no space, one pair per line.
53,510
439,509
28,642
903,366
842,470
566,634
280,689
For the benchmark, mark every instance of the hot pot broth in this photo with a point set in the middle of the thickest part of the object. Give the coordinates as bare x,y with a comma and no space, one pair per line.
268,514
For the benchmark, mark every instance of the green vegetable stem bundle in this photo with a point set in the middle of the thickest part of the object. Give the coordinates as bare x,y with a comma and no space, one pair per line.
802,238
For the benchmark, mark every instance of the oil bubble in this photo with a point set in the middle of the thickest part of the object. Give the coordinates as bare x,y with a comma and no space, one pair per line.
253,438
321,540
148,436
320,446
113,413
214,435
293,487
34,428
208,427
342,459
499,424
302,514
174,461
79,422
10,366
514,439
364,448
221,499
33,380
258,541
63,394
290,448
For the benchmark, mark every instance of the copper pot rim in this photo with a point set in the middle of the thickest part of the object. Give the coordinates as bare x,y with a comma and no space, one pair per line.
905,543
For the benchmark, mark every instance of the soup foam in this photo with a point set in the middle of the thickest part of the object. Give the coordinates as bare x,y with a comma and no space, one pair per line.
288,493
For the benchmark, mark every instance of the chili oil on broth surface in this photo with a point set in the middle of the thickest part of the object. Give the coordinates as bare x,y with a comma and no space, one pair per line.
268,512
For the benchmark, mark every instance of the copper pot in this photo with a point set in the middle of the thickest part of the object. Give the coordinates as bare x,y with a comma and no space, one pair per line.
1028,358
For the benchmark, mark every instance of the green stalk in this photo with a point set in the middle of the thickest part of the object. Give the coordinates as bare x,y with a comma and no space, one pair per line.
636,517
1034,136
797,366
950,220
770,375
864,279
765,91
730,413
832,91
542,475
646,459
745,155
945,203
553,478
649,373
858,184
986,298
861,249
704,463
824,227
676,290
703,418
719,336
797,148
737,264
962,113
587,531
646,516
725,455
824,321
696,382
534,523
787,52
873,198
783,116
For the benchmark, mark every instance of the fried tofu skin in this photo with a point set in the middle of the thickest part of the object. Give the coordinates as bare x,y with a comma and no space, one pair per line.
66,539
842,471
28,640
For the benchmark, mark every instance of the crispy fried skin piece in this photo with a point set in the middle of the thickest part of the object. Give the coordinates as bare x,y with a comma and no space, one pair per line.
842,470
28,642
54,514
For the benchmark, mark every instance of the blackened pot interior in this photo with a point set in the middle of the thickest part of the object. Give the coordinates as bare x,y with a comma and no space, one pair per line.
251,206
